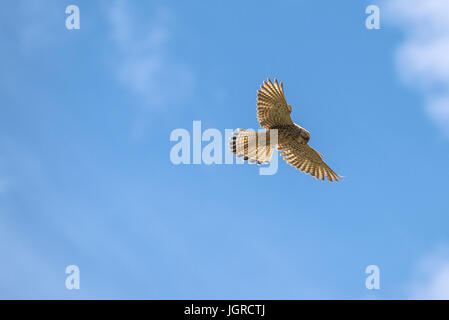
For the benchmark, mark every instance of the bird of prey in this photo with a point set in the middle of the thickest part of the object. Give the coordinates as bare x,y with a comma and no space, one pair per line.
273,112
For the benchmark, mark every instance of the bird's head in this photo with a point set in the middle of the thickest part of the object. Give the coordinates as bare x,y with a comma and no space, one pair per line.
305,134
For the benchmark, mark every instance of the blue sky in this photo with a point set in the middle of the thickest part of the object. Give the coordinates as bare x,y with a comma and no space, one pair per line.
86,177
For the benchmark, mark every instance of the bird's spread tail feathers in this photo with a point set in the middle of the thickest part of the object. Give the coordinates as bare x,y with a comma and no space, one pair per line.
252,146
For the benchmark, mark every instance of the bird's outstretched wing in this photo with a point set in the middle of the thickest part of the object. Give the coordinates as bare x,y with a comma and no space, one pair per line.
305,158
272,108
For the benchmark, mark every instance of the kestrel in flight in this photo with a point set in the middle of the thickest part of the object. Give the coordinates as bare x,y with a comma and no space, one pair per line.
273,112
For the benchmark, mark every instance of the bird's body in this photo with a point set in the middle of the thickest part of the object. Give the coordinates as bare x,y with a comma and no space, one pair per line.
273,114
294,131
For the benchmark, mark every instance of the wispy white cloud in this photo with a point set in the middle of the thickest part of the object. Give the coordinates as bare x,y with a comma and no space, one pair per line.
431,280
145,63
423,59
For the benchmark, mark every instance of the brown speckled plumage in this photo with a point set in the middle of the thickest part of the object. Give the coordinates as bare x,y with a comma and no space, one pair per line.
273,112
